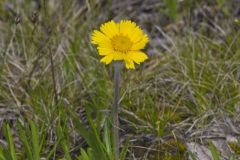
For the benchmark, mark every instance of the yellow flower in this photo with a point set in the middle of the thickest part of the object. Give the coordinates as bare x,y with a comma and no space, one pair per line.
120,41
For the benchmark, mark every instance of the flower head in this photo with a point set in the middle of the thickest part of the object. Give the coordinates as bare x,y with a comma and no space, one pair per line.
120,41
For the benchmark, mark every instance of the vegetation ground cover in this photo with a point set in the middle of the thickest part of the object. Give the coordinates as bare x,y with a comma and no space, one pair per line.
56,95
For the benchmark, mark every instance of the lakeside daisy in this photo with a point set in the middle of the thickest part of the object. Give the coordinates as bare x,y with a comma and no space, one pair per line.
121,41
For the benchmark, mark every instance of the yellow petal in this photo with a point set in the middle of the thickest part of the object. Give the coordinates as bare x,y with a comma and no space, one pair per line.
126,27
99,38
118,56
128,62
136,34
137,56
110,29
104,51
107,59
140,44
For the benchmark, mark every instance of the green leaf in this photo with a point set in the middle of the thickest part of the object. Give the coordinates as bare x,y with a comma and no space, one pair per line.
8,136
62,136
53,150
92,138
2,154
83,131
35,141
84,155
214,151
220,2
107,141
124,151
25,141
192,156
171,10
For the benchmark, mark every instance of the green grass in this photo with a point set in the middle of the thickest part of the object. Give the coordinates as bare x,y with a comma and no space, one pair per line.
49,71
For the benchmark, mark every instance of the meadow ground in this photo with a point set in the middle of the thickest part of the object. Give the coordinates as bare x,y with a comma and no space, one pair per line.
182,103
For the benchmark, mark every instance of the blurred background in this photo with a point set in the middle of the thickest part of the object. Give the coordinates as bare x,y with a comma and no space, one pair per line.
55,95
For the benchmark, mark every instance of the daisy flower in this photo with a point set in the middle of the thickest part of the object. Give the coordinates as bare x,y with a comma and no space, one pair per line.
121,41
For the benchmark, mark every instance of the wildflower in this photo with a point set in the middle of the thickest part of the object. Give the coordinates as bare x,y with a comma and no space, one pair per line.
120,41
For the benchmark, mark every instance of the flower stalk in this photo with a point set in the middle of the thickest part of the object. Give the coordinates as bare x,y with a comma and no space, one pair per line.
119,42
116,108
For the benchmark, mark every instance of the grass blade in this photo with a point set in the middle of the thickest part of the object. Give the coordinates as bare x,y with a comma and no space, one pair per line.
107,141
25,141
35,141
215,153
8,136
2,154
124,151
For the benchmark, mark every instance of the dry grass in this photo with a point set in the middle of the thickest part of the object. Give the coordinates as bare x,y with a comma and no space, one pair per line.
188,90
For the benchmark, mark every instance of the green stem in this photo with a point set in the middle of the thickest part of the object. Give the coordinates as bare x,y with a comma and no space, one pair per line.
115,108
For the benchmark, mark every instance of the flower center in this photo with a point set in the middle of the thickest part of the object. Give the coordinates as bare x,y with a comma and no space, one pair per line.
121,43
